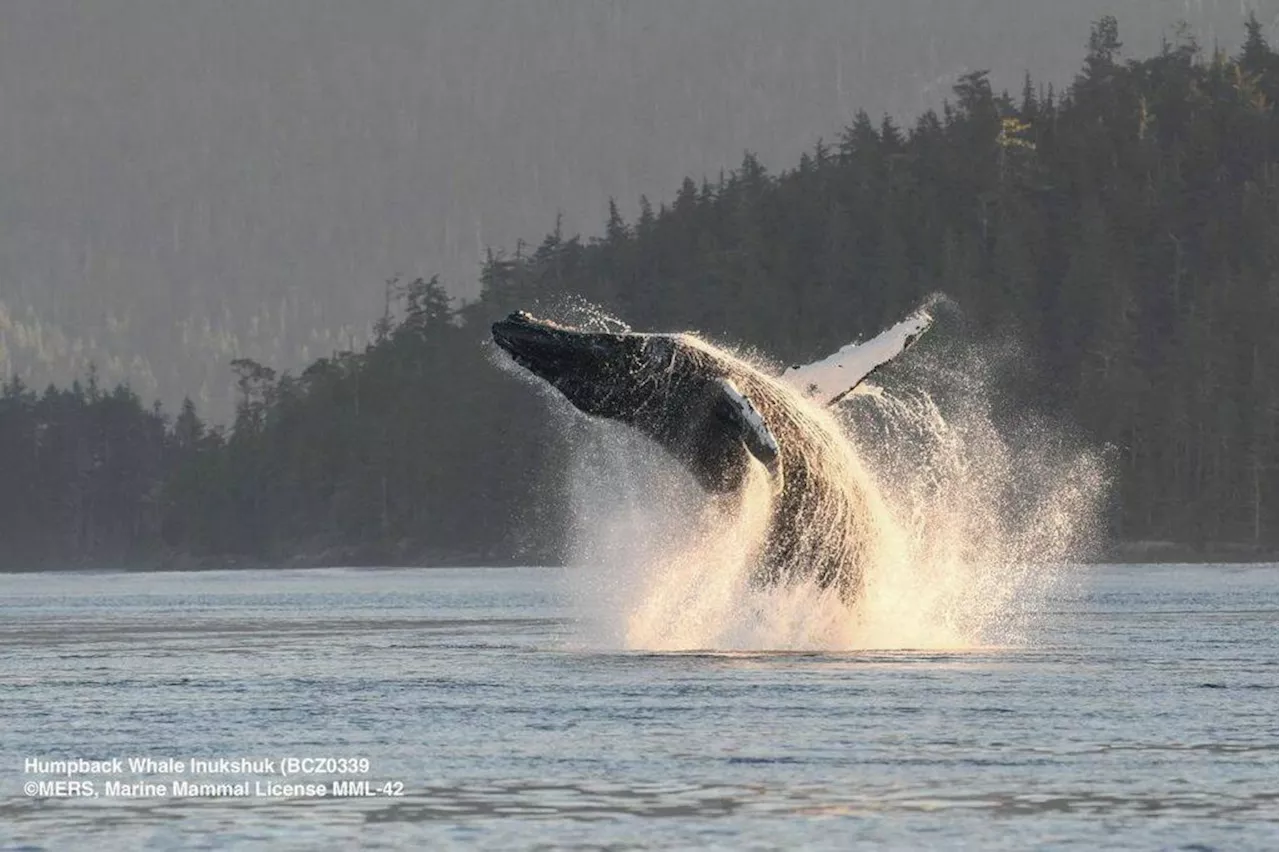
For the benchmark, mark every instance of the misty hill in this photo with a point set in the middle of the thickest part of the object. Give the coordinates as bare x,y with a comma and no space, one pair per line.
184,184
1124,230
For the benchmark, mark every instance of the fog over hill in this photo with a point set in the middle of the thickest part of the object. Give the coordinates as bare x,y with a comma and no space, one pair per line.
185,183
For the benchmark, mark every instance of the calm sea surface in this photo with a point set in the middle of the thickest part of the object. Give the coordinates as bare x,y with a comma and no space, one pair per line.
1143,715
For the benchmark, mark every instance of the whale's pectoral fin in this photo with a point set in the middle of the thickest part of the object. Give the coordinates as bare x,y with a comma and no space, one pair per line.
835,377
736,408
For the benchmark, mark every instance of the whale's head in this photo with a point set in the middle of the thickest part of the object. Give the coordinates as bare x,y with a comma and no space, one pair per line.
600,373
657,383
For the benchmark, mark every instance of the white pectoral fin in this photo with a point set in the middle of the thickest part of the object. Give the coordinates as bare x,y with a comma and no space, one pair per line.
833,378
754,432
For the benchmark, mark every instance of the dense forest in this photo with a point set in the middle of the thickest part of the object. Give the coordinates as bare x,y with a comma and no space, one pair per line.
1123,229
339,144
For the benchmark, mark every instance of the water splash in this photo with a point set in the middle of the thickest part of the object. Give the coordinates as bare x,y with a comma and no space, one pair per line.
992,505
970,519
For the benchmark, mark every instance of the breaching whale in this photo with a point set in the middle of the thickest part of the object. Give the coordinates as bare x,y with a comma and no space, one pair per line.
717,415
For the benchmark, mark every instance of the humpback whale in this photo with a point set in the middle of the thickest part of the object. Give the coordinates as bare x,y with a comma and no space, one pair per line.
719,416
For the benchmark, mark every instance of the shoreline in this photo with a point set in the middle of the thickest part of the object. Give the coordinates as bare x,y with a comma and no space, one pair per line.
1121,553
1170,552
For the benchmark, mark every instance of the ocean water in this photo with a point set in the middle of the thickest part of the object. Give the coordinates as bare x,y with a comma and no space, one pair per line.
1139,711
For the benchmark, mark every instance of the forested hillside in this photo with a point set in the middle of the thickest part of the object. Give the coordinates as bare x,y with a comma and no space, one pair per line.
171,202
1123,230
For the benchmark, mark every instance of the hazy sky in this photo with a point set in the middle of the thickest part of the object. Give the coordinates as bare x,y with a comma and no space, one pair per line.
185,182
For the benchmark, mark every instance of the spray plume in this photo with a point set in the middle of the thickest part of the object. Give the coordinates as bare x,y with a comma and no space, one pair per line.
968,520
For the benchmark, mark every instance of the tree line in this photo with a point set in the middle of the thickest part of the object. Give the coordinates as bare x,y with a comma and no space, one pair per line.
1124,229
